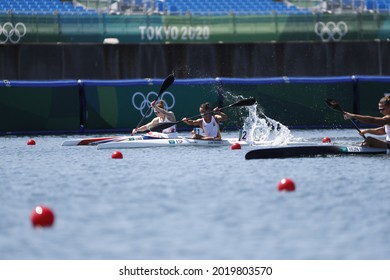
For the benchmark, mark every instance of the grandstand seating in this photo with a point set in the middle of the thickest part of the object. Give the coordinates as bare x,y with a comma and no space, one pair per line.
213,7
371,6
41,7
182,7
379,6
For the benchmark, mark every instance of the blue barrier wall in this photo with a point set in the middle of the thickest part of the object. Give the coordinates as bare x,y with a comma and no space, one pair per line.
90,106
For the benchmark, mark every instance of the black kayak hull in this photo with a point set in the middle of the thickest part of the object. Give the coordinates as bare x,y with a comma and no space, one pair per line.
312,151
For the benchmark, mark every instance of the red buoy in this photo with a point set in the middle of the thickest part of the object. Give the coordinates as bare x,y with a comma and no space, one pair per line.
236,146
286,185
117,155
326,140
42,216
31,142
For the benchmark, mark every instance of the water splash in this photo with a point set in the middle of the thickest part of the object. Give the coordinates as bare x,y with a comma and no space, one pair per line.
261,128
257,127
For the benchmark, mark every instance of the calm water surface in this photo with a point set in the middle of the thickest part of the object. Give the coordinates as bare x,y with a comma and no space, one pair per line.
192,203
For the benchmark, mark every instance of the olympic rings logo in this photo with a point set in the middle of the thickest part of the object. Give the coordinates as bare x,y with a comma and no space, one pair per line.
142,103
331,31
11,33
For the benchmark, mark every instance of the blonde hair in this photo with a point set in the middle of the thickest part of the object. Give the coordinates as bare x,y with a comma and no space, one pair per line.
385,100
205,106
161,104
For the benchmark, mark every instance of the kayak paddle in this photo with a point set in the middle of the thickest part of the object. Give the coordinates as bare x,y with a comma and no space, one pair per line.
334,105
167,82
245,102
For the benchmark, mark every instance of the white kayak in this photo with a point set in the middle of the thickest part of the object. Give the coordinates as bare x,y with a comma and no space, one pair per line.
157,139
160,140
99,140
181,141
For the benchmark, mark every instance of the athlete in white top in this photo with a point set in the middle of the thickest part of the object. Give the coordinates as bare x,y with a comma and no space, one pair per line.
209,122
162,115
384,122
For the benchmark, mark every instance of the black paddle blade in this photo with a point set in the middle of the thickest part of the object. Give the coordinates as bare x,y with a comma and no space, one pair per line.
334,105
244,102
167,82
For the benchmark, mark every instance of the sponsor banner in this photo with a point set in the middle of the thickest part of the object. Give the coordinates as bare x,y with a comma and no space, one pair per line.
193,29
116,105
